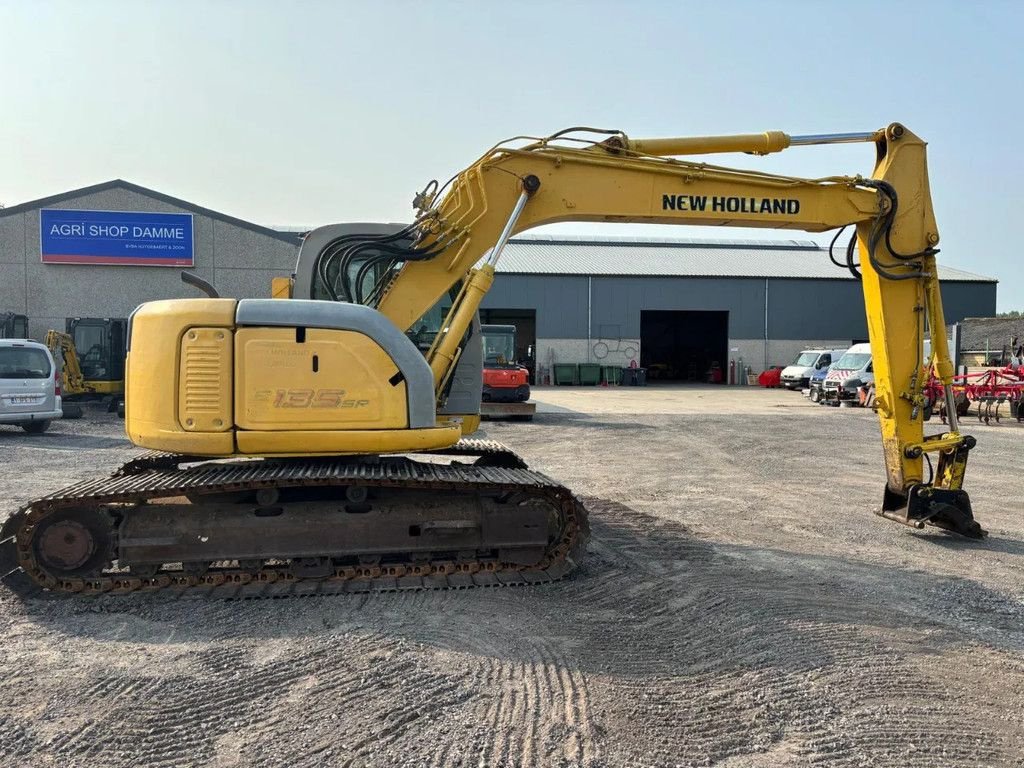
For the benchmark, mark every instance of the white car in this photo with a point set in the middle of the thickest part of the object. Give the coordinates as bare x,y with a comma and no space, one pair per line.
29,385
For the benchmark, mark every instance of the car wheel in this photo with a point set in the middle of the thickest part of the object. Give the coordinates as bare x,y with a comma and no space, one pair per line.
35,427
815,396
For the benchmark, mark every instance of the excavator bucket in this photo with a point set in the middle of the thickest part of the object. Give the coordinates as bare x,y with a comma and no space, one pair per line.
926,505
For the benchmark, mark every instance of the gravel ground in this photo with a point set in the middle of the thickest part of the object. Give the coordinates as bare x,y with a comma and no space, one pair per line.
739,606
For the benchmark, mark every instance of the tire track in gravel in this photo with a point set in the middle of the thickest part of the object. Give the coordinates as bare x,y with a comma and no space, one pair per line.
580,747
355,703
495,720
17,741
788,659
378,717
538,712
159,719
479,671
531,705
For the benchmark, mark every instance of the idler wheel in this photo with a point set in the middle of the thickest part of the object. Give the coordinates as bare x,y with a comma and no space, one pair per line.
73,543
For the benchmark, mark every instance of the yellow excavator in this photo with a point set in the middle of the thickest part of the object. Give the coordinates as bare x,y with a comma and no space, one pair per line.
62,347
72,382
317,444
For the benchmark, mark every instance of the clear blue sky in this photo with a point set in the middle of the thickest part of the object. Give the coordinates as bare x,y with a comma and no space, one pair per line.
306,113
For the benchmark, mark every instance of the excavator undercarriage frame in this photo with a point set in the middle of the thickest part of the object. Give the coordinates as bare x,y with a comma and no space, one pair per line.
474,516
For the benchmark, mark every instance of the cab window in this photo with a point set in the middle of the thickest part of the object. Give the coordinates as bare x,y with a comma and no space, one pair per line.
93,351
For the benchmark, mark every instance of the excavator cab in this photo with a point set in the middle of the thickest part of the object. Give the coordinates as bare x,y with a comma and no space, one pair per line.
100,344
13,326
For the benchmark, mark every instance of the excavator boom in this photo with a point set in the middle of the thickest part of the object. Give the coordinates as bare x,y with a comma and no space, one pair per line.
342,419
62,347
621,179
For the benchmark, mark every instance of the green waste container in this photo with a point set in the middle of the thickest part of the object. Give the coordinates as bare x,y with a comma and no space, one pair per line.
565,373
634,377
612,374
590,374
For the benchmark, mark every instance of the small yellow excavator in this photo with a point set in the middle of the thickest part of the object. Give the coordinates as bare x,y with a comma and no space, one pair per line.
63,349
72,383
316,444
100,342
91,354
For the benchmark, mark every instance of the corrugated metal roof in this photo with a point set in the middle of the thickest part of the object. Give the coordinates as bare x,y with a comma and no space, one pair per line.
980,333
651,257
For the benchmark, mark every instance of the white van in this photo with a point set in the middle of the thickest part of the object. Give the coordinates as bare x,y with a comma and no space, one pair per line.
854,365
798,375
29,385
854,369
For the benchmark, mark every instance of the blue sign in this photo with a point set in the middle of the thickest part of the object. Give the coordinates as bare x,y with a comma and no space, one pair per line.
115,237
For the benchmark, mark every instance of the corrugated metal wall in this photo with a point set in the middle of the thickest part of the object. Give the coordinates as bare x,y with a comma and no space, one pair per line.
797,309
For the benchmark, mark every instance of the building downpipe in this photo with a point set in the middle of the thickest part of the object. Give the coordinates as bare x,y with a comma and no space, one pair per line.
766,324
590,295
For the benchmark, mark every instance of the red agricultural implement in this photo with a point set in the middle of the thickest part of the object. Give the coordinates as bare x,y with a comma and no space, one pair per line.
989,389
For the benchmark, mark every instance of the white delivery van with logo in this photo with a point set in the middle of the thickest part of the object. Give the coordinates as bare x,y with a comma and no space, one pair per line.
798,375
855,369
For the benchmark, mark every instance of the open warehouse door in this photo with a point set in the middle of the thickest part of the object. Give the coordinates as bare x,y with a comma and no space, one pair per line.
683,345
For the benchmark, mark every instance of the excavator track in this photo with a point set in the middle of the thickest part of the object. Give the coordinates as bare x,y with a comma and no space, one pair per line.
69,542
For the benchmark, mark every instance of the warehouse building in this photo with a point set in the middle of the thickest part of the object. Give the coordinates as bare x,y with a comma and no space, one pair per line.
678,306
92,272
675,305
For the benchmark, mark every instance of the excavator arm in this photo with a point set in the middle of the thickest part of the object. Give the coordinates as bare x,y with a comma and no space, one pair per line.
62,347
513,189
